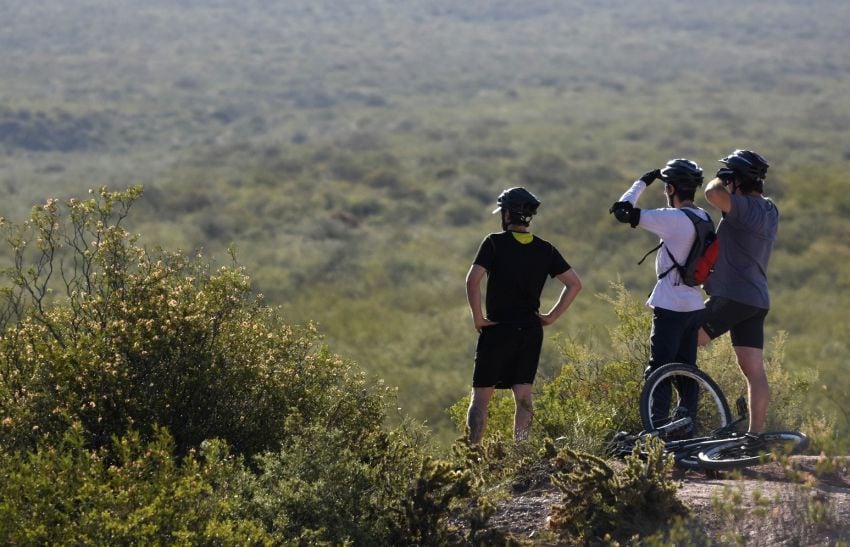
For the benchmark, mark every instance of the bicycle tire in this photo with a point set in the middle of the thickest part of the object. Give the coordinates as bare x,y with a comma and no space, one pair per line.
687,460
686,452
713,410
740,453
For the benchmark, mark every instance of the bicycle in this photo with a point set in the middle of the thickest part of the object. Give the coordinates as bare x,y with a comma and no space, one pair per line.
685,451
705,436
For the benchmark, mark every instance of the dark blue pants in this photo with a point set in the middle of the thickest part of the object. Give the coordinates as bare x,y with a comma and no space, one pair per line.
673,340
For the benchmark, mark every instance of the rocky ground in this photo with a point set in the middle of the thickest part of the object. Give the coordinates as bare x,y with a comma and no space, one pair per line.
764,505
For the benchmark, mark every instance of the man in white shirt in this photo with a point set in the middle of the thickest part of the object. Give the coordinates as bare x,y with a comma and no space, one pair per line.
676,307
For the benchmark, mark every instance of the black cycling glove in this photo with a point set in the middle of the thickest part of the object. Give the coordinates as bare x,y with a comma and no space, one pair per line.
725,174
626,213
650,176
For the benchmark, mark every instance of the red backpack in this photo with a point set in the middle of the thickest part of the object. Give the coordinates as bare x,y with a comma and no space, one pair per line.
703,254
705,263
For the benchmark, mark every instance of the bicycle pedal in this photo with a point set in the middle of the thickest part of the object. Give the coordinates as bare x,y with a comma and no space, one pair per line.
741,407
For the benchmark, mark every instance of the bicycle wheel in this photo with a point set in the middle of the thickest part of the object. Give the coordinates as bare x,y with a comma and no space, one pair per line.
663,394
686,452
752,449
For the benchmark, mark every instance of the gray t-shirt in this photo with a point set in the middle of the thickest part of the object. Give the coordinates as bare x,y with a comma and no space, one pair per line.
746,234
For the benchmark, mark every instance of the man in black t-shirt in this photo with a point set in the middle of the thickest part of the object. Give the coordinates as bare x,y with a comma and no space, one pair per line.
516,264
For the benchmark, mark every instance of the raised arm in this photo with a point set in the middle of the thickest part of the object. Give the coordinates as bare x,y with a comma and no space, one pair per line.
572,286
717,195
625,209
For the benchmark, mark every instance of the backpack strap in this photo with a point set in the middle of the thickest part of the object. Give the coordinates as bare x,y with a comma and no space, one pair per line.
694,218
649,252
675,266
670,269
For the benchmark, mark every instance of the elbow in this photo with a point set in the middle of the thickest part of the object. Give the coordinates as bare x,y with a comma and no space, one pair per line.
719,198
714,189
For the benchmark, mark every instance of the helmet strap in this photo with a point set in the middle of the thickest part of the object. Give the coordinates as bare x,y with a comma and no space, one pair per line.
734,184
508,219
670,195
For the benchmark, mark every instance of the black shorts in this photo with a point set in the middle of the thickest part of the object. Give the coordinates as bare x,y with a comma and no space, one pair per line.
507,354
744,323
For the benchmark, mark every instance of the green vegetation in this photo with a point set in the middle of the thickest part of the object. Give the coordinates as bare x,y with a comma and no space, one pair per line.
598,502
148,397
125,394
350,153
316,178
135,493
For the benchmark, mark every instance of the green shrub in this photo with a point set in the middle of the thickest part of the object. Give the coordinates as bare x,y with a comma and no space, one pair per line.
592,396
751,512
328,486
104,332
599,501
135,494
118,366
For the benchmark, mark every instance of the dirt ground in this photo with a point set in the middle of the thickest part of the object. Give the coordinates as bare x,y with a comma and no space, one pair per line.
775,508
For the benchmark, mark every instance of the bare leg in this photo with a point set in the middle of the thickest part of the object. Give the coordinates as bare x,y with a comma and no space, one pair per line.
751,361
702,338
524,411
476,416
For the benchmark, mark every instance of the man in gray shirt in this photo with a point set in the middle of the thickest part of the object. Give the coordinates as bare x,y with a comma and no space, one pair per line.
739,299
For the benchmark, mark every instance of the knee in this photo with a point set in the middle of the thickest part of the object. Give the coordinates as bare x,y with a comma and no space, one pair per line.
476,418
477,409
480,398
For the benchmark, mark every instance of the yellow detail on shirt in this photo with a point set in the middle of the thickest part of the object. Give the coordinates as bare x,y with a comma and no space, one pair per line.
523,237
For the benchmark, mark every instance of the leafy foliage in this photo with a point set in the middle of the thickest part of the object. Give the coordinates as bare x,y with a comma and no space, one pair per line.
135,493
128,377
133,375
140,338
356,192
388,491
599,502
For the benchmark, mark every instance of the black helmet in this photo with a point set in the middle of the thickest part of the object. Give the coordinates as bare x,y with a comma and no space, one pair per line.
518,200
747,165
682,173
